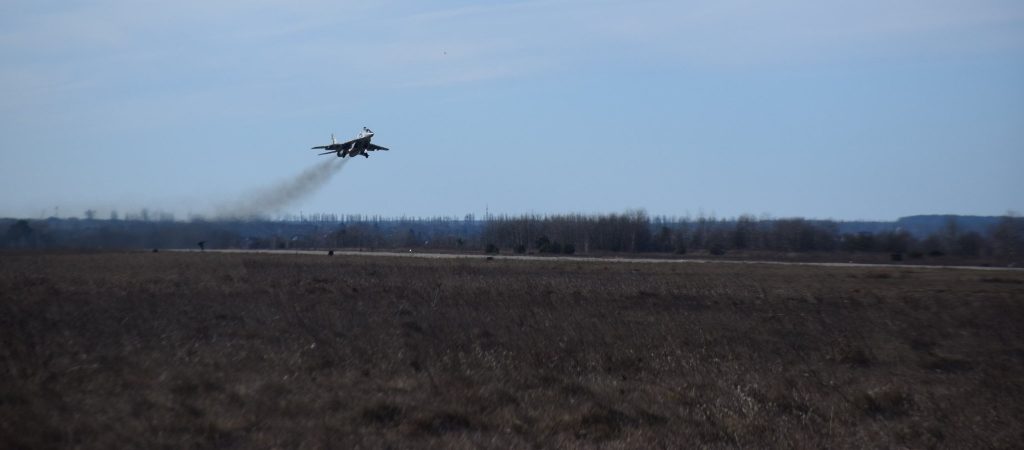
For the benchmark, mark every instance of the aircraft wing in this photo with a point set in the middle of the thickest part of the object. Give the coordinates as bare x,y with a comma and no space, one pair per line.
375,147
339,145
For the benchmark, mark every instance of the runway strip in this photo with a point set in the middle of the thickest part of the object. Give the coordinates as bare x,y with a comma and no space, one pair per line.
591,259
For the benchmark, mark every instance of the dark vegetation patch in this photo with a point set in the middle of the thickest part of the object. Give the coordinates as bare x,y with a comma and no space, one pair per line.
172,350
886,403
445,422
1002,280
947,364
846,352
921,344
604,423
382,414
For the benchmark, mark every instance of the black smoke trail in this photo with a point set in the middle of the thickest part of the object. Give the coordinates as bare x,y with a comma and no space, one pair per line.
260,203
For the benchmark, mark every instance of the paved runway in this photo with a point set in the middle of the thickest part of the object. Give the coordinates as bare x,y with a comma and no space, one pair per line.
412,254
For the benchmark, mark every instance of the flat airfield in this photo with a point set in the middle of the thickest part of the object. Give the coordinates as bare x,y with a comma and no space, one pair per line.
238,350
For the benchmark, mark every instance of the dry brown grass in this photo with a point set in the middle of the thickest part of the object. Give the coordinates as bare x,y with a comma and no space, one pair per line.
220,350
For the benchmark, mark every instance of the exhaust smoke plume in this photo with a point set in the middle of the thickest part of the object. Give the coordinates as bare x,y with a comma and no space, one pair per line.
262,202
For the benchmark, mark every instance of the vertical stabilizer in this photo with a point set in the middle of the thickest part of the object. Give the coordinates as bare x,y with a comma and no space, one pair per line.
332,139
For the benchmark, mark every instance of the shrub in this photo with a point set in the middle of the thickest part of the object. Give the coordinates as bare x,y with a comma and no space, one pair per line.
542,244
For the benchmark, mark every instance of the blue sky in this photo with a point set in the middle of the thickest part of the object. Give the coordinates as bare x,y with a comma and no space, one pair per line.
846,109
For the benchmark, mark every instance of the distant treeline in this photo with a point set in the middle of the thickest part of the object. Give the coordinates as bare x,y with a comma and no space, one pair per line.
630,232
635,232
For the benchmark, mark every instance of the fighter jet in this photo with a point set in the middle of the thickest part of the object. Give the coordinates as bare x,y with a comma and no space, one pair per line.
355,147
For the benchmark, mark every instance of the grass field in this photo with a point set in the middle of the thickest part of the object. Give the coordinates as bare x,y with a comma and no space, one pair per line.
178,350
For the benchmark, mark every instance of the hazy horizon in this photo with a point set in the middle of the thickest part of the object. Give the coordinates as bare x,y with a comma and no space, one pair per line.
157,215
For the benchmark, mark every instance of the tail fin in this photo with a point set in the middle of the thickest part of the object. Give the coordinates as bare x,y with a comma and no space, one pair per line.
332,139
